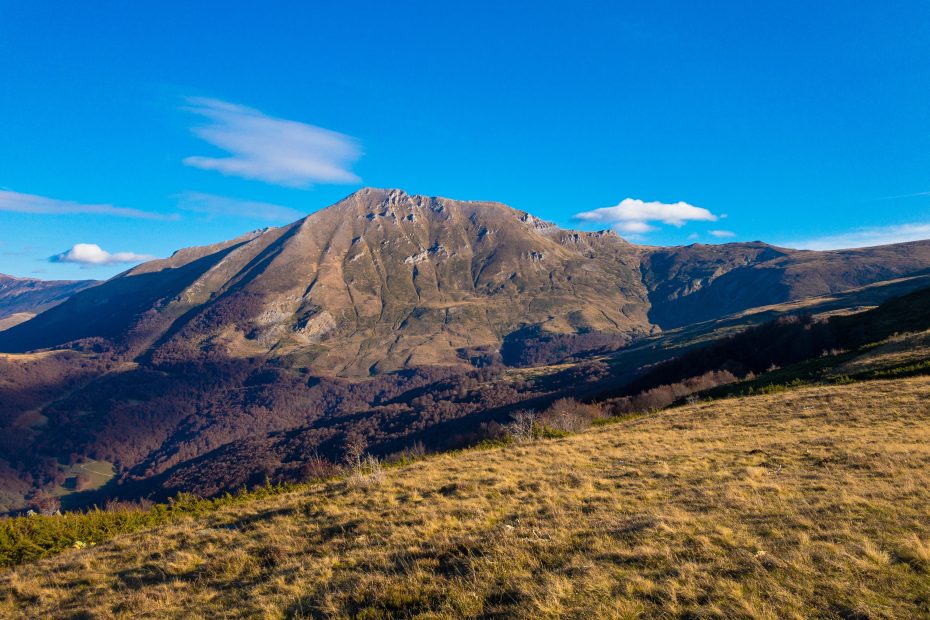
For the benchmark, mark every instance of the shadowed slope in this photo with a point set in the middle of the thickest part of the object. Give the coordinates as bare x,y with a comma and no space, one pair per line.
23,298
120,310
701,282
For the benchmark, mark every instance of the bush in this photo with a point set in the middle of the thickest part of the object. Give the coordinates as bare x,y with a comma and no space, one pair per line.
315,467
522,426
413,452
567,414
364,470
665,395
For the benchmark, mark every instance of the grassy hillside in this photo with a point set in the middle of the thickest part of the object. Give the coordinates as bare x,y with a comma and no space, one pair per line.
804,503
884,341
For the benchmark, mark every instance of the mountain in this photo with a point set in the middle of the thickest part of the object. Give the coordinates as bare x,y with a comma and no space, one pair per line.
383,280
377,282
703,282
386,319
23,298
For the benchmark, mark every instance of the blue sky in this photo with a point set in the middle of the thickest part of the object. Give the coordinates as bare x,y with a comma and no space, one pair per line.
129,130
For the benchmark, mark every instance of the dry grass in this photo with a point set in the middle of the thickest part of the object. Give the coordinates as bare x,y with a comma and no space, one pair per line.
809,503
899,350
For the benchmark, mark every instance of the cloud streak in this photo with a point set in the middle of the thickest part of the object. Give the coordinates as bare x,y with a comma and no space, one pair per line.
91,254
29,203
274,150
634,216
221,206
721,234
866,237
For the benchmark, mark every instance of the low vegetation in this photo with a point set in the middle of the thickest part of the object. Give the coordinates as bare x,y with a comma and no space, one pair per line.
808,502
35,536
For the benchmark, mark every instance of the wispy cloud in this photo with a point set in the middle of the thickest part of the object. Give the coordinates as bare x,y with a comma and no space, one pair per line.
93,254
865,237
912,195
634,216
273,150
721,234
222,206
29,203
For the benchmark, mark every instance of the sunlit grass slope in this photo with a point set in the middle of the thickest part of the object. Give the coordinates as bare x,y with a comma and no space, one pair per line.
807,503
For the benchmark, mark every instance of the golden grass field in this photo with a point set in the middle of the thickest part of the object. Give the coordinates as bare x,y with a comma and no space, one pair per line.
813,502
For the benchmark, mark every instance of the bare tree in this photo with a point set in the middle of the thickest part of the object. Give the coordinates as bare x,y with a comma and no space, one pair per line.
521,426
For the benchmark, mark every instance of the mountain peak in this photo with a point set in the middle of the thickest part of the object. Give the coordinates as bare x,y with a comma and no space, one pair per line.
376,195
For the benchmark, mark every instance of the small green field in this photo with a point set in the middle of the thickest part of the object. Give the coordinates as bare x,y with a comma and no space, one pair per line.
87,476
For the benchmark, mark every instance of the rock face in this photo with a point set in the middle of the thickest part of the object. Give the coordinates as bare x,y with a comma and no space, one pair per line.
23,298
383,280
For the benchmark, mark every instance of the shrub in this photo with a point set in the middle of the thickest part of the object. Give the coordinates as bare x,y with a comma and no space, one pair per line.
315,467
665,395
27,538
567,414
522,426
413,452
364,470
46,504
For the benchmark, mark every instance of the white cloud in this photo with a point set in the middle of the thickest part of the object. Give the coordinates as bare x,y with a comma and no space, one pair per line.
866,237
633,227
93,254
273,150
634,216
212,205
29,203
721,234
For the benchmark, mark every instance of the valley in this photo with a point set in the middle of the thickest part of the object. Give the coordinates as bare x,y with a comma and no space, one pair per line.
394,320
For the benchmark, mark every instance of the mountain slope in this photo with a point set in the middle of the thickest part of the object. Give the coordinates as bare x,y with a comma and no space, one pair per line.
699,282
888,340
23,298
383,280
808,503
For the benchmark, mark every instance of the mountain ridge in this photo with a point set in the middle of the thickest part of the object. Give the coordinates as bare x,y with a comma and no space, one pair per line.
23,298
384,280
